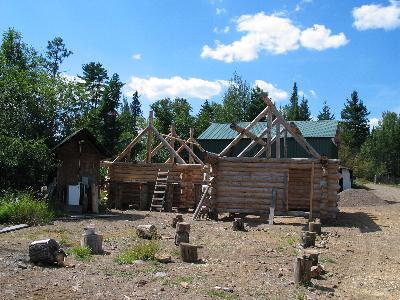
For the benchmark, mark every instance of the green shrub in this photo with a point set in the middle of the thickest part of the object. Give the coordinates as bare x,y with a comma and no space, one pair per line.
81,253
24,207
142,251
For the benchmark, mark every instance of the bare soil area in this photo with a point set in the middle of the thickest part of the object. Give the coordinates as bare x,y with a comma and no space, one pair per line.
359,250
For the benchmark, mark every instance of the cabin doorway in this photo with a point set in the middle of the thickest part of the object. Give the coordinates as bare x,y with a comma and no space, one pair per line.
299,189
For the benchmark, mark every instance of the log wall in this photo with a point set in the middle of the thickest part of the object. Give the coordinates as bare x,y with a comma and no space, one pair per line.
185,177
244,185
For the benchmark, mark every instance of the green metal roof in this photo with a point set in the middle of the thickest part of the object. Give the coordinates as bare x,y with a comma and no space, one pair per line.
222,131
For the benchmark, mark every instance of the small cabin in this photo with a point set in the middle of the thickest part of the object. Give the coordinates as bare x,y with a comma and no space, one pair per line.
78,172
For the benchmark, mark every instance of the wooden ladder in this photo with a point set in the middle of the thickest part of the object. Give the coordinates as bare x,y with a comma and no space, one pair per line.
160,189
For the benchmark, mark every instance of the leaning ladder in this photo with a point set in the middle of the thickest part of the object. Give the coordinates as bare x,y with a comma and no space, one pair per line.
160,189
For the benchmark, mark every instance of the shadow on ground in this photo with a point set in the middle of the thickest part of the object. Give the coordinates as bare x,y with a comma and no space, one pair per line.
365,222
110,217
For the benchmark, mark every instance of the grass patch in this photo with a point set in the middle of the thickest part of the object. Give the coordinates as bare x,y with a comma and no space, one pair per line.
142,251
327,260
291,241
188,279
222,295
300,295
176,252
81,253
24,207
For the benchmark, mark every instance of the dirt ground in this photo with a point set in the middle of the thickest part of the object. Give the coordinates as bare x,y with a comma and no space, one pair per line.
360,252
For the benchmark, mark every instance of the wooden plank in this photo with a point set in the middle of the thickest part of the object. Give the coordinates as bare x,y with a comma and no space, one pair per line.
191,160
172,143
159,147
269,131
240,136
272,208
149,138
278,141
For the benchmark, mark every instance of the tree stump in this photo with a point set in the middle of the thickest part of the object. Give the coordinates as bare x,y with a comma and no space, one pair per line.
92,240
45,251
178,218
148,232
315,226
308,239
189,252
313,255
238,225
182,233
302,269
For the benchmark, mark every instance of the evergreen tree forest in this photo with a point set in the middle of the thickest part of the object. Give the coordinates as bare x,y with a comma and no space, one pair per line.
39,106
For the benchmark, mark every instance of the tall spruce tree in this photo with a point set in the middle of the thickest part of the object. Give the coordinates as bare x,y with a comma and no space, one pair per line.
94,77
291,110
304,110
110,128
325,114
204,118
355,127
136,111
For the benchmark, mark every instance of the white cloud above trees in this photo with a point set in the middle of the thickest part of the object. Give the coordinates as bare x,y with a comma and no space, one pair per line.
275,34
377,16
274,93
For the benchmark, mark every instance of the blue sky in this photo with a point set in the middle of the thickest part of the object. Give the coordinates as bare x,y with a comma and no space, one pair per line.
191,48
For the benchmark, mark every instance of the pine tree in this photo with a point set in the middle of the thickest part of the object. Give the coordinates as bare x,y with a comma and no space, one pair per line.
136,111
256,104
110,128
325,114
204,118
94,77
304,110
291,110
56,53
355,128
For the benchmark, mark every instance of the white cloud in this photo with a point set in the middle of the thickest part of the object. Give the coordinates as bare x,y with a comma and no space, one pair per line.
320,38
225,30
220,11
313,93
72,78
273,92
373,122
137,56
154,88
272,34
376,16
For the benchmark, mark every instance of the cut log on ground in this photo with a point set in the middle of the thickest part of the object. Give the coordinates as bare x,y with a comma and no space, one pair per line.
182,233
302,269
178,218
92,240
189,252
148,232
312,254
308,239
238,225
315,226
46,251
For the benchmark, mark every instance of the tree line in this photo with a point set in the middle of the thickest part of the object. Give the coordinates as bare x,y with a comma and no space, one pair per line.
39,106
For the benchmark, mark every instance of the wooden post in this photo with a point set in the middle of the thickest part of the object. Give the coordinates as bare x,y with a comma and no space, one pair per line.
286,183
311,191
278,141
313,255
172,143
272,208
182,233
302,269
149,138
269,136
285,146
191,132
